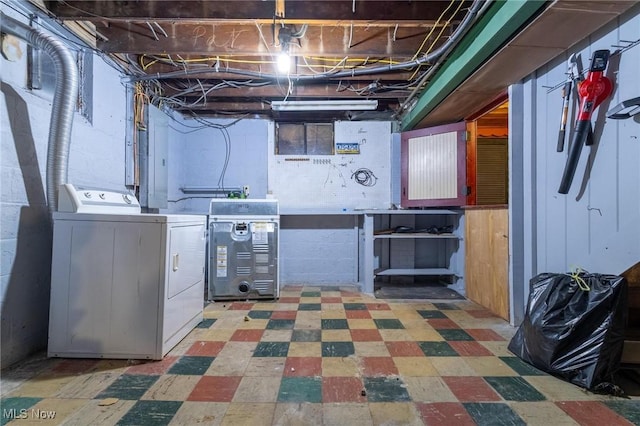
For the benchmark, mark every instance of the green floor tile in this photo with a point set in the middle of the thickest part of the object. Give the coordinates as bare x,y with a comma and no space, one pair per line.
16,408
309,307
388,324
521,367
129,386
306,336
432,314
260,314
311,294
330,288
300,389
455,335
191,365
337,349
629,409
280,324
385,389
334,324
206,323
446,306
493,414
150,413
355,307
271,349
437,349
515,389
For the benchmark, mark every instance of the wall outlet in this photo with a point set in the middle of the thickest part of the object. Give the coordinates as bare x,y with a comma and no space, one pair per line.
245,190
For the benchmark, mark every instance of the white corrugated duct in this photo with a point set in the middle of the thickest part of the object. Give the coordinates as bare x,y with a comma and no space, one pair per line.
64,99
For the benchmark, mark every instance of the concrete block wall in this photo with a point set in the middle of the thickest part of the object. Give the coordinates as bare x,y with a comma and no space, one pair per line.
197,155
96,159
319,249
314,249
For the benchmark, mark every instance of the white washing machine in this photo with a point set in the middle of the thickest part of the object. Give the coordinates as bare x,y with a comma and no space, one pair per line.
124,284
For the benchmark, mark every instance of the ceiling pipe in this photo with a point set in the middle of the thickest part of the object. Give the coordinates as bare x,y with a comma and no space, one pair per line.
466,23
427,75
63,105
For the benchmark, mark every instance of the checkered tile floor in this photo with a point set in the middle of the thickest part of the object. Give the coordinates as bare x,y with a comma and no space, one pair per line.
318,356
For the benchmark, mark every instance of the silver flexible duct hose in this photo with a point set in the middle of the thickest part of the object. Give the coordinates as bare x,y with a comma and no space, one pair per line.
63,105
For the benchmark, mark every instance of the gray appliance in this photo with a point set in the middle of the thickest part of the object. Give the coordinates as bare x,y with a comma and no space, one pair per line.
243,249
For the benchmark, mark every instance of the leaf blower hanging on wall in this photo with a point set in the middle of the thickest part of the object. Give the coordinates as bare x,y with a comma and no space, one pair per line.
595,88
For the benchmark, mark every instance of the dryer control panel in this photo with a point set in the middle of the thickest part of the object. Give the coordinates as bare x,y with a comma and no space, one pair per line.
73,199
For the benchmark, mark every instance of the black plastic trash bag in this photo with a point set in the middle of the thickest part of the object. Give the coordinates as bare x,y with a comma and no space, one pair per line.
575,333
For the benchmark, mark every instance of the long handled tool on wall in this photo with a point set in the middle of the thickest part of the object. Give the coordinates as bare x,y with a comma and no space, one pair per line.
592,91
573,77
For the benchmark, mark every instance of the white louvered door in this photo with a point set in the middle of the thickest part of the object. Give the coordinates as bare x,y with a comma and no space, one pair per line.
434,166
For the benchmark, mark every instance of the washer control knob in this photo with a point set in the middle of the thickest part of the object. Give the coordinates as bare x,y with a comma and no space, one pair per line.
87,194
243,288
126,198
101,195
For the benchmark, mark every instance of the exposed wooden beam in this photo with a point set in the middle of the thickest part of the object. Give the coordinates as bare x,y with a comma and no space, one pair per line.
333,10
279,92
250,40
232,106
265,65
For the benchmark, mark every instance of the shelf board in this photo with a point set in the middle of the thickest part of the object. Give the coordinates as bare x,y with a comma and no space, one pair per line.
417,235
420,271
414,212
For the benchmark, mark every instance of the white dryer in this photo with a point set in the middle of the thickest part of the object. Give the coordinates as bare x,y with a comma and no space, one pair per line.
124,284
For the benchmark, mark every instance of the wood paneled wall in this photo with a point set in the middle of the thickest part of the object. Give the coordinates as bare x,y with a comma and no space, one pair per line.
486,264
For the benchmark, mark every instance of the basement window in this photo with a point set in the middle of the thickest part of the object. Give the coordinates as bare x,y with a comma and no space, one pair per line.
304,139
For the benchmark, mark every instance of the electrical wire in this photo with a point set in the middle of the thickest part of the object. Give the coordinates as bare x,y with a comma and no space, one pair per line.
166,59
445,26
223,128
471,15
140,99
364,177
433,27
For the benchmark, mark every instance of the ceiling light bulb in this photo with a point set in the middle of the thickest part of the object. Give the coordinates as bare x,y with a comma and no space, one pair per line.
284,62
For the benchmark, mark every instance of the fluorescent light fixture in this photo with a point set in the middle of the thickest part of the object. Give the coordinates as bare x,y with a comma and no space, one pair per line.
338,105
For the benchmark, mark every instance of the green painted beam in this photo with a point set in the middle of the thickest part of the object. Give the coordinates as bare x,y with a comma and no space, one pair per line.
494,28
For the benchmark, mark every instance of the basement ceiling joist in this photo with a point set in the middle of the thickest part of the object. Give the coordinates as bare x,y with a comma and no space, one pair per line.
421,12
162,64
258,39
196,55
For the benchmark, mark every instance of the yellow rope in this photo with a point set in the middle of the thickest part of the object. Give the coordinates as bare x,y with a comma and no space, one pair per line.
582,284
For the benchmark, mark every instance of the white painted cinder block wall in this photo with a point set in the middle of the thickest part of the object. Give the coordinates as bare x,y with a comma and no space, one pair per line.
197,156
314,249
96,158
